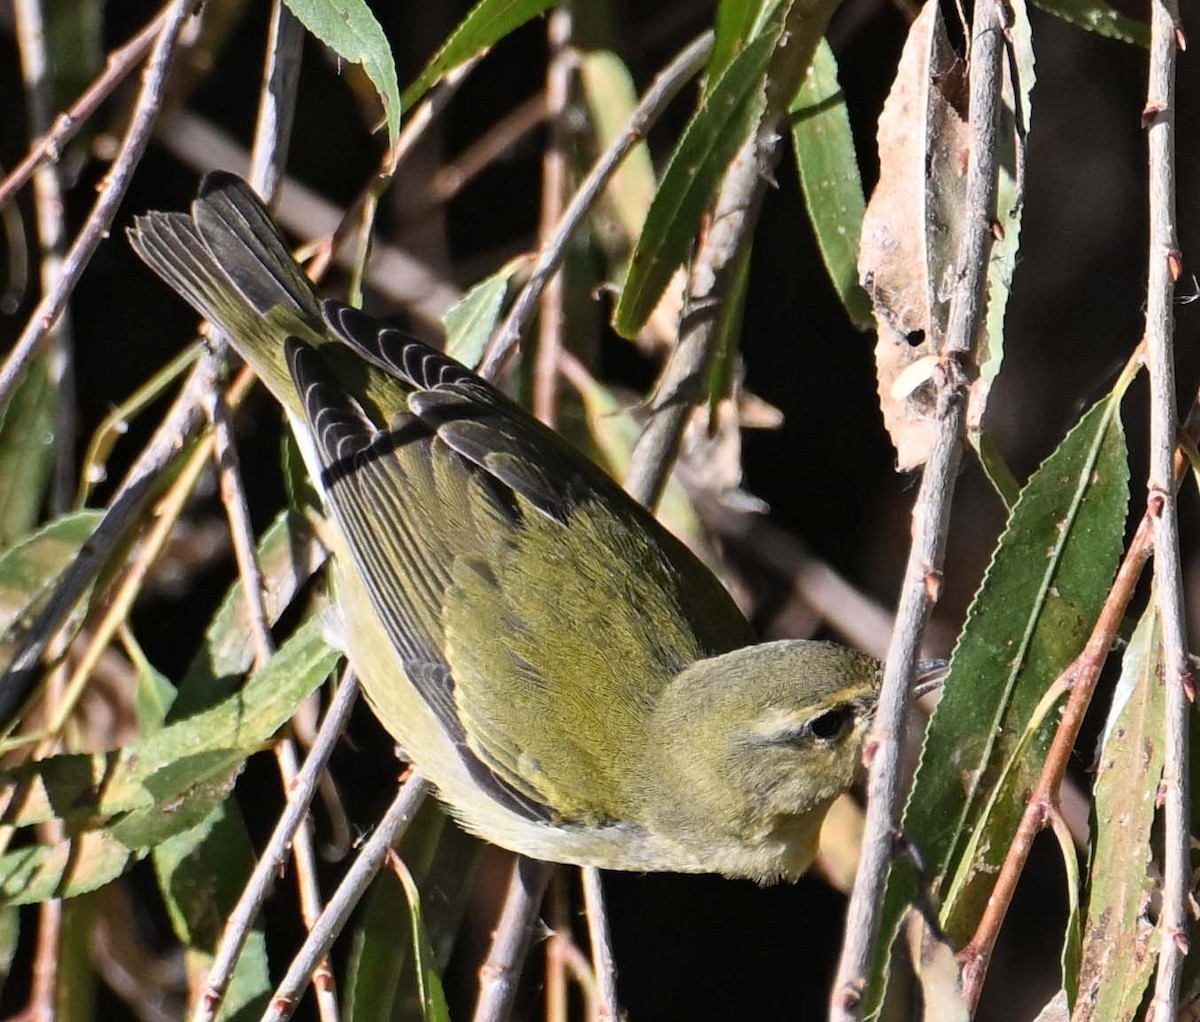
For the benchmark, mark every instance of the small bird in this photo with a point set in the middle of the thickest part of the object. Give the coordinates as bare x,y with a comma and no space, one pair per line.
575,683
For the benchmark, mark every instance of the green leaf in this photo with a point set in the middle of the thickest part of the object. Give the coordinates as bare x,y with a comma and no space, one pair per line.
738,21
486,23
1099,17
26,450
1120,942
190,756
382,981
726,118
154,694
471,321
985,744
828,167
432,998
64,869
30,570
349,29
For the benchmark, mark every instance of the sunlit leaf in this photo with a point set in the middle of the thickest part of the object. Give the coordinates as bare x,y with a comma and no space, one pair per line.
829,177
349,29
728,114
1099,17
486,23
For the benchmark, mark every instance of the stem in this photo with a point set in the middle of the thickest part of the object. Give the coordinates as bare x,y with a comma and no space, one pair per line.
321,937
1166,263
664,89
112,191
931,516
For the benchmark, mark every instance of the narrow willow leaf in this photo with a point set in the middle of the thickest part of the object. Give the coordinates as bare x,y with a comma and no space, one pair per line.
1073,941
1042,591
26,450
432,998
1119,940
486,23
349,29
829,178
611,99
30,570
1099,17
87,790
738,21
726,118
154,694
471,321
381,970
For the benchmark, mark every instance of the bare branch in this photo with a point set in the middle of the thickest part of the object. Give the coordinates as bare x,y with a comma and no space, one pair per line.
931,516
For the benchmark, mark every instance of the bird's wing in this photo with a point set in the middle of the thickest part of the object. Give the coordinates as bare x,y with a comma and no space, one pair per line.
553,607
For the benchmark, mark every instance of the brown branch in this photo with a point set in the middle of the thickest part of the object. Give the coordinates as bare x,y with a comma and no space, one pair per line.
117,68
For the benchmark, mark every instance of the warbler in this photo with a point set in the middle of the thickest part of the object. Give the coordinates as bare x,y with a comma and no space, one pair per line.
574,682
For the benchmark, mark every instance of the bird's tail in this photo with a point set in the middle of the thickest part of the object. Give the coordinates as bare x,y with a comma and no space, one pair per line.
230,262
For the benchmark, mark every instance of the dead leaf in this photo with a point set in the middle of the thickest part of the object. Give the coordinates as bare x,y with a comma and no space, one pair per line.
913,227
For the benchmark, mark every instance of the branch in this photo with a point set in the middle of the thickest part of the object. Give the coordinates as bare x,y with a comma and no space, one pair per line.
665,88
117,68
112,191
320,939
1166,263
931,516
270,862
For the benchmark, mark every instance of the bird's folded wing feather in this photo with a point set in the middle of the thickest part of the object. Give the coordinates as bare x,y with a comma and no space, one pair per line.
555,607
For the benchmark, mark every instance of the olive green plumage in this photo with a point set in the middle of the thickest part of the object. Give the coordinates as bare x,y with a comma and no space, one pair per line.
577,685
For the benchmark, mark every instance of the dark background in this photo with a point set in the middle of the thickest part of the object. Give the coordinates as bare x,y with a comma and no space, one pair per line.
695,947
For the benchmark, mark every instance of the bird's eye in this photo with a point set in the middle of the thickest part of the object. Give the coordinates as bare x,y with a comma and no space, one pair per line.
833,724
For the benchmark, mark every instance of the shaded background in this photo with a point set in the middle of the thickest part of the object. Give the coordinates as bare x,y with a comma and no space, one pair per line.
687,947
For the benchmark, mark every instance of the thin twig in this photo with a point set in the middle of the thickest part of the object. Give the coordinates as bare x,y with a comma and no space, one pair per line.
510,942
603,964
665,88
359,216
48,206
39,98
931,514
268,158
120,603
1166,264
730,230
454,176
555,169
112,191
350,891
237,510
124,511
117,68
300,795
